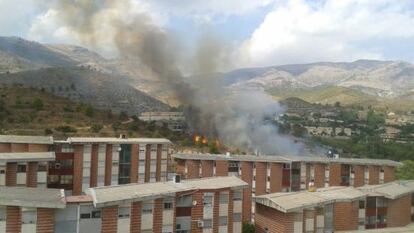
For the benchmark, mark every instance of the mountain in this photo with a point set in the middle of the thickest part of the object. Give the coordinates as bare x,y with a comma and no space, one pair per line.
80,84
362,78
76,73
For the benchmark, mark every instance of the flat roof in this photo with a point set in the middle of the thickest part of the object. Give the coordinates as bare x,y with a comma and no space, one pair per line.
32,197
287,159
114,140
406,229
297,201
26,139
122,194
13,157
390,190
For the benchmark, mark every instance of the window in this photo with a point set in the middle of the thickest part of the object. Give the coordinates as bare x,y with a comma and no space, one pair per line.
286,166
42,167
208,223
362,204
223,221
237,195
96,214
224,198
123,212
21,168
147,208
233,166
66,179
168,205
237,217
2,171
85,215
381,202
53,179
208,200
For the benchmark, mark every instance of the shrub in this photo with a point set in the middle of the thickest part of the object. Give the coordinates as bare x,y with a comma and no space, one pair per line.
248,228
66,129
96,128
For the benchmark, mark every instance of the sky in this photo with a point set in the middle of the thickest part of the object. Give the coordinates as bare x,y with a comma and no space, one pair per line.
259,32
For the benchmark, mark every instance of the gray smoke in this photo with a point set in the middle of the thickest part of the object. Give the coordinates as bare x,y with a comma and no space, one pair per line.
237,119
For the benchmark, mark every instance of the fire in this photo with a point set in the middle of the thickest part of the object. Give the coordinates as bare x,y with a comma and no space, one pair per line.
204,140
197,138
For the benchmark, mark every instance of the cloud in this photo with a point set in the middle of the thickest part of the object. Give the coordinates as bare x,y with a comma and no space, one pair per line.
299,31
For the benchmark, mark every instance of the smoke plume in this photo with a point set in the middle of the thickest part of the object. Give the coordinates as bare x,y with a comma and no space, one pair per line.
237,119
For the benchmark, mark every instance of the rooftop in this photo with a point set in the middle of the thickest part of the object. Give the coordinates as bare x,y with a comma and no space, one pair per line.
287,159
121,194
32,197
297,201
114,140
390,190
12,157
26,139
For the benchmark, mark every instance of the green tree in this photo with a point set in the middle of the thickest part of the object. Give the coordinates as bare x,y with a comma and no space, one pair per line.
37,104
89,111
406,171
96,128
248,228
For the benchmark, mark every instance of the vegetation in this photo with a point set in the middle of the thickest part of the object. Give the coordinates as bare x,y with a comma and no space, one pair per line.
406,172
248,228
30,111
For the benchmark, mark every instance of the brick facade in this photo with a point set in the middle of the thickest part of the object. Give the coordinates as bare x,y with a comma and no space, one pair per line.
93,181
230,212
136,208
275,221
19,147
399,211
197,212
31,174
5,147
109,219
222,168
345,216
77,170
206,168
389,174
158,165
37,148
108,165
276,174
335,174
373,174
134,163
359,172
45,220
11,174
13,219
319,170
261,175
147,163
180,167
193,169
247,176
157,215
216,212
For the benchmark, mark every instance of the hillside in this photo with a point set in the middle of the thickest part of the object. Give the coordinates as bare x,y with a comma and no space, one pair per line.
30,111
79,84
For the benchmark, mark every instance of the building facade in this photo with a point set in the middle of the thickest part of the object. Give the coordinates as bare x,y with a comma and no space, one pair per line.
199,205
76,164
336,209
270,174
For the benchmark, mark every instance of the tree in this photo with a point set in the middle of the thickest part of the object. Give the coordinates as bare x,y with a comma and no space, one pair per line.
89,111
96,128
248,228
37,104
406,172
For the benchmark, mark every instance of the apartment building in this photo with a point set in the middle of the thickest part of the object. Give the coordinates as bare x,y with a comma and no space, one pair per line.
200,205
24,159
336,209
90,162
270,174
77,163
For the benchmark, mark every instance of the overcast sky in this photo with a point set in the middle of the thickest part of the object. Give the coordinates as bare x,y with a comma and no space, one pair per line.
260,32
